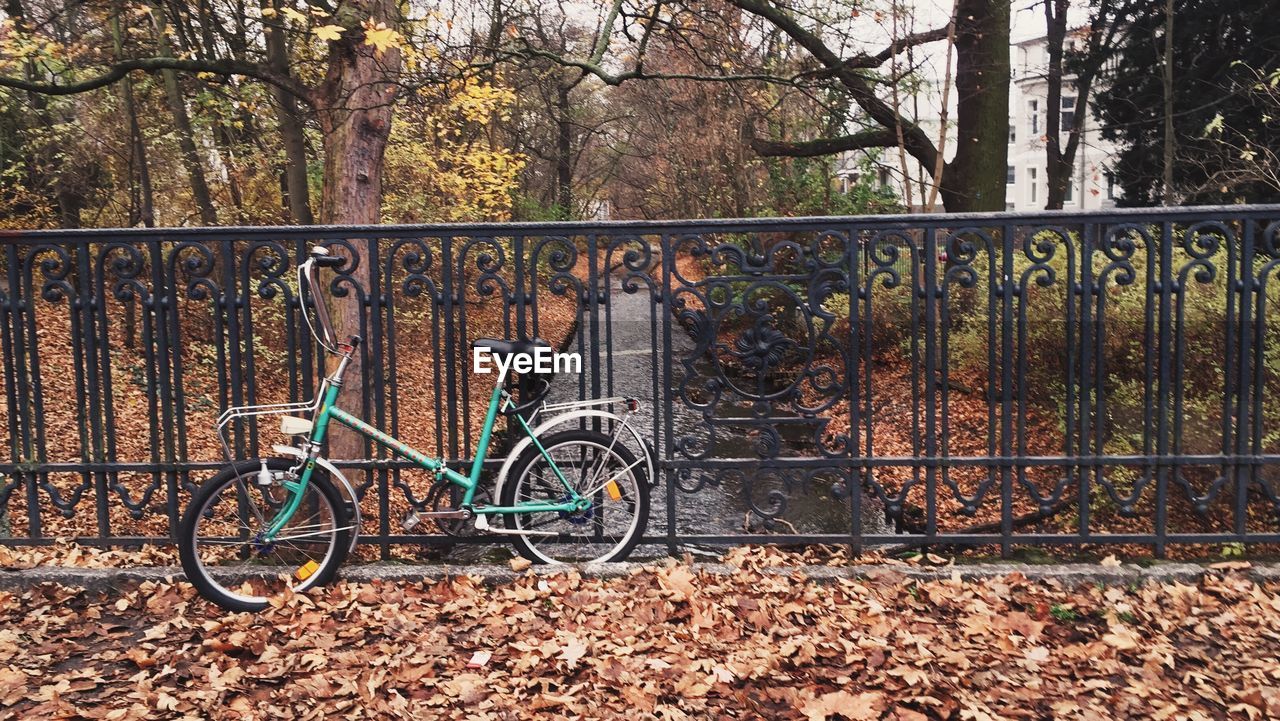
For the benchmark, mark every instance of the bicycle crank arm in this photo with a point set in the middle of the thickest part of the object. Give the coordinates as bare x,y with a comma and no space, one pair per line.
482,525
413,518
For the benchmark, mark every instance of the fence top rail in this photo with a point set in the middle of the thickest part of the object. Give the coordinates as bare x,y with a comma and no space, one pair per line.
649,227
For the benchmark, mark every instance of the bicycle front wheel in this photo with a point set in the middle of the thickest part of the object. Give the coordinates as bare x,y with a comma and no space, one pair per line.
605,472
220,537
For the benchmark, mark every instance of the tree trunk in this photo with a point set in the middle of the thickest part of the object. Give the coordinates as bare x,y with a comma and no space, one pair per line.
355,117
1166,193
564,153
182,123
142,199
224,139
289,120
975,179
297,193
1057,169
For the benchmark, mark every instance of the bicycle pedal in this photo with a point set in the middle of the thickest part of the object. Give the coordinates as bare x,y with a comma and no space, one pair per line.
411,521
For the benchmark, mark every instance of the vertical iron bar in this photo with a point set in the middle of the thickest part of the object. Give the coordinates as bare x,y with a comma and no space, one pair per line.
1163,390
1151,361
1256,420
1007,289
162,306
230,307
450,345
375,375
24,455
930,297
10,327
592,305
1083,290
854,472
1243,285
89,348
668,399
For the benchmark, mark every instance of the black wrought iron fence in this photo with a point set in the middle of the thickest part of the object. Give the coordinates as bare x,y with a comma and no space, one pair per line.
968,379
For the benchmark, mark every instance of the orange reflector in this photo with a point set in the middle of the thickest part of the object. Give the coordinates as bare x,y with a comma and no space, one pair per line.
307,569
613,490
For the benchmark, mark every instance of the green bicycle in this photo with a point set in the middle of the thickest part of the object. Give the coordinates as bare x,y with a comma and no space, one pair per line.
261,527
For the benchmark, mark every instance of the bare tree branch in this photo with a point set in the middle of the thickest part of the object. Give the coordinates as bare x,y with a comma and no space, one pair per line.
638,73
874,138
118,70
915,140
910,41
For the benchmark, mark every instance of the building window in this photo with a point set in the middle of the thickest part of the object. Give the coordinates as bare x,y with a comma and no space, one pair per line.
884,178
1111,187
1013,133
1010,175
1068,114
1033,111
1032,185
1069,195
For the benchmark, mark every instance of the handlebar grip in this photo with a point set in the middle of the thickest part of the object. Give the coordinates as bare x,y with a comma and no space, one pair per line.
328,261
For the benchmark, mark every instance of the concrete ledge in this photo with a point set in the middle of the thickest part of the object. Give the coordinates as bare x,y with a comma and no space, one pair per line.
108,579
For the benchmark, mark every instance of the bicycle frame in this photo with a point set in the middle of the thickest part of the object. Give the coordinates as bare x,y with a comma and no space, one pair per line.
329,411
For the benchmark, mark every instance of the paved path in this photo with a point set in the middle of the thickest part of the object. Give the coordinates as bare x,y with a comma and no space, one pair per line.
1066,573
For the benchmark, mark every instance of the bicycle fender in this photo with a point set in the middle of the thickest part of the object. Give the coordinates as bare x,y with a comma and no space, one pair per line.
344,486
526,442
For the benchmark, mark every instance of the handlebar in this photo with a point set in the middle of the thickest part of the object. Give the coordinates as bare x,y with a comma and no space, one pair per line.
309,280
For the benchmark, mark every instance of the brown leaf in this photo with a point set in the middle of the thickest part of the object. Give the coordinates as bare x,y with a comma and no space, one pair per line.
679,581
140,657
856,707
1231,566
572,651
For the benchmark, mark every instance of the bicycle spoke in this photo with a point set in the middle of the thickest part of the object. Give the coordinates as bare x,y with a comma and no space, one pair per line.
597,473
225,529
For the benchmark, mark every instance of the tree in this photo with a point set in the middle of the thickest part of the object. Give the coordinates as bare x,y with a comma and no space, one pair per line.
353,104
1085,62
973,180
1216,58
442,161
1240,161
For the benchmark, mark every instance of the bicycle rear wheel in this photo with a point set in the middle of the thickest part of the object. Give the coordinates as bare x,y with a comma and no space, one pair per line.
605,472
219,537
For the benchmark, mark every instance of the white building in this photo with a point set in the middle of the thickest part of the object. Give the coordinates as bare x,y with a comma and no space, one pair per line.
1091,186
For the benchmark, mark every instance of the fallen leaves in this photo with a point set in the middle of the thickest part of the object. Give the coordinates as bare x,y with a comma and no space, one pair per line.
855,707
65,552
572,651
678,582
667,641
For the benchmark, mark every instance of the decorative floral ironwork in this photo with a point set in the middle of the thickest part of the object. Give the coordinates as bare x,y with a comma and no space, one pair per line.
760,347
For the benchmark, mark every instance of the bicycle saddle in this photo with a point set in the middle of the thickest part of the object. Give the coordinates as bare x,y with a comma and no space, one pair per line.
511,347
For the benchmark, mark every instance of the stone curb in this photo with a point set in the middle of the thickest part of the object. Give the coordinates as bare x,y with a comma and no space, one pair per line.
107,579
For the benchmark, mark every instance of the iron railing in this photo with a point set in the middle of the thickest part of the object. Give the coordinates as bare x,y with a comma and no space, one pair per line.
981,379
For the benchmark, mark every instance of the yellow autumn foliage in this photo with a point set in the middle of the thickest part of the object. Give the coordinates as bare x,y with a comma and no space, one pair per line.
444,161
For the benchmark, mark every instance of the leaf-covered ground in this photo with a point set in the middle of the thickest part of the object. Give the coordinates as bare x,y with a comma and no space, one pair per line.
664,642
